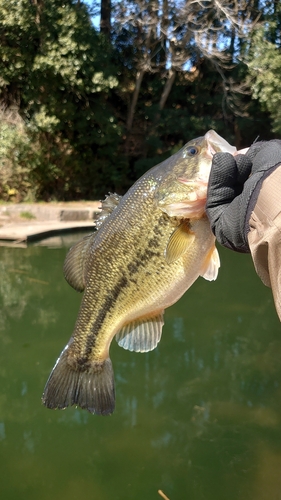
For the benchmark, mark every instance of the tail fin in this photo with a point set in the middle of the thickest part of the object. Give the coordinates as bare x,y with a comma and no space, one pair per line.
90,387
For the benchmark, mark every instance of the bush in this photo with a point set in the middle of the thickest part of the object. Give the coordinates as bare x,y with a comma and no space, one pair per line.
15,150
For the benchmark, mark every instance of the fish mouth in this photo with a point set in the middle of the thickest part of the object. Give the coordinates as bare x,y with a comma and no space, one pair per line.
217,144
198,186
191,203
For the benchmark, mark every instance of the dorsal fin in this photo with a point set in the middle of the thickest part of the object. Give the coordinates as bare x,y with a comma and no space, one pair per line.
141,335
179,242
74,264
110,202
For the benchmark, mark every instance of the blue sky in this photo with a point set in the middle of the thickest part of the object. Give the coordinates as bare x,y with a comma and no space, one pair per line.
96,19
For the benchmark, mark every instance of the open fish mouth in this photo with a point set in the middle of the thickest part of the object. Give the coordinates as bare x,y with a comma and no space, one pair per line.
216,144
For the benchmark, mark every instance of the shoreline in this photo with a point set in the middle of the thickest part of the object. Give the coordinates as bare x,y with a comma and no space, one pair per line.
21,223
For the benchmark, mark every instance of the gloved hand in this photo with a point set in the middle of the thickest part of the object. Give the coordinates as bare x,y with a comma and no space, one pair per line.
233,189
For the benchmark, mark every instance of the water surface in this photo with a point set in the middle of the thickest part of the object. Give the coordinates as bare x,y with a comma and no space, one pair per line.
198,418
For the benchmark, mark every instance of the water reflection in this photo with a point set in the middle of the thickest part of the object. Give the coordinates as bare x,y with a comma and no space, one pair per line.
199,417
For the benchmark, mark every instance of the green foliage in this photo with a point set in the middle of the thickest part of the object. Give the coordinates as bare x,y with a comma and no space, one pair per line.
73,89
61,82
15,147
193,107
27,215
265,72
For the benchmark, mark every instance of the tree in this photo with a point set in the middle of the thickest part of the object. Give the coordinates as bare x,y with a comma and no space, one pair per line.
105,18
170,37
264,62
92,110
56,69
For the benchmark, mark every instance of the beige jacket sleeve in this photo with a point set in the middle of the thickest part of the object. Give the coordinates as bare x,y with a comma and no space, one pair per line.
265,235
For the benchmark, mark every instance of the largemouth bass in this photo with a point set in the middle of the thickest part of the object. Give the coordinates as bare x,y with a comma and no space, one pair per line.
149,247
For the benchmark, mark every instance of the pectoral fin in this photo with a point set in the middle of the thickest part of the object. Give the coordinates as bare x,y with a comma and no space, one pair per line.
179,243
141,335
211,265
74,264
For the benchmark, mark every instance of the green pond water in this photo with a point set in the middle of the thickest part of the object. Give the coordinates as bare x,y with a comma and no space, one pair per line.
198,418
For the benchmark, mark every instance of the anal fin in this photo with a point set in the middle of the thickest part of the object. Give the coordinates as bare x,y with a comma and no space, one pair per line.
141,335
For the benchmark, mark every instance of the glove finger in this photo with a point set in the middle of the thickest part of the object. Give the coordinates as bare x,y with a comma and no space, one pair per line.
222,180
244,167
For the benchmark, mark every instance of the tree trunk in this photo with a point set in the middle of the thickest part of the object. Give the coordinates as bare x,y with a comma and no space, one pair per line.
105,17
167,88
131,113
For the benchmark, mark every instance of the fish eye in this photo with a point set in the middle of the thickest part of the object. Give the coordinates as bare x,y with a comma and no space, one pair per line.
192,150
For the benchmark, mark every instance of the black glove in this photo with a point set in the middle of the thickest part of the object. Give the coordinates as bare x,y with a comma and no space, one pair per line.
233,189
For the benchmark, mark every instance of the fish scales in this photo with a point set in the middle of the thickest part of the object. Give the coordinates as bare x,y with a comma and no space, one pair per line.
106,287
150,246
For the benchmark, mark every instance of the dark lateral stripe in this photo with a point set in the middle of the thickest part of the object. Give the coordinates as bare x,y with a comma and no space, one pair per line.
141,258
108,304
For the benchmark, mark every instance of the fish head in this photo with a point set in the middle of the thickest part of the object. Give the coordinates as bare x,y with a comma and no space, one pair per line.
182,192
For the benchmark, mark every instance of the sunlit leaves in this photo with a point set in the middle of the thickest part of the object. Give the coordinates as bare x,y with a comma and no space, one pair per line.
56,71
265,71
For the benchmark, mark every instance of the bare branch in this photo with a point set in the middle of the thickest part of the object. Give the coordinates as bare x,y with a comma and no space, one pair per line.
169,36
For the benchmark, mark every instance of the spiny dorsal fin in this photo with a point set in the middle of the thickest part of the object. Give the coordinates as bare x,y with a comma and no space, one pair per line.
141,335
74,264
107,206
211,265
180,241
